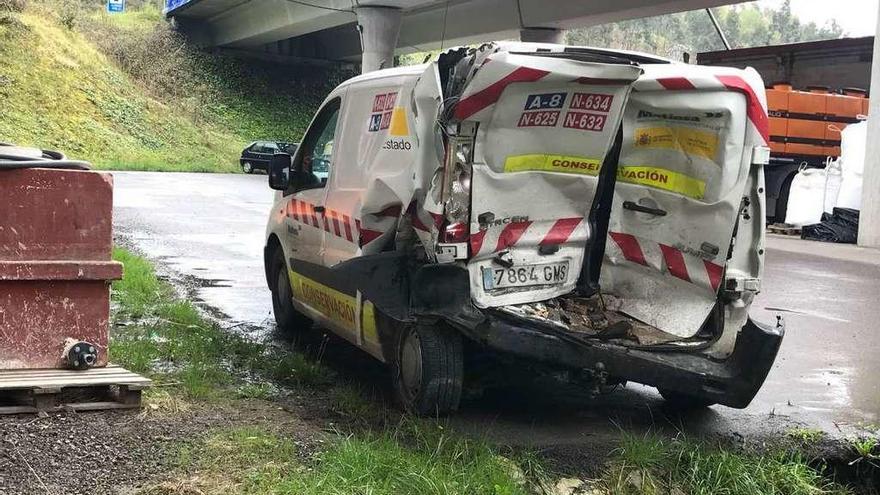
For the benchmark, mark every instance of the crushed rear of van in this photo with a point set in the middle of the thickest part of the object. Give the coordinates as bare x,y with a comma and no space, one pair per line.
608,212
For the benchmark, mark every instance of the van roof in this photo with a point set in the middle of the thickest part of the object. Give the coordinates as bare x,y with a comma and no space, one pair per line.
512,46
406,70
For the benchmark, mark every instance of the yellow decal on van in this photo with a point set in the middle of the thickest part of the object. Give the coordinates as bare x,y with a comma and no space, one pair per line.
398,122
553,163
663,179
368,323
688,140
339,307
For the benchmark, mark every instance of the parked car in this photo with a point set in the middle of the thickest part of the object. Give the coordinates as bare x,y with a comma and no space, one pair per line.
256,155
585,210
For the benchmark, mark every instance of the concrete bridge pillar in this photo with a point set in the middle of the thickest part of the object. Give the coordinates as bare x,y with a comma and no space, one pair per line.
542,35
379,28
869,215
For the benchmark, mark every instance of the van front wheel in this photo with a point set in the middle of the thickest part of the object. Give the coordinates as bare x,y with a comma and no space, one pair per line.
428,369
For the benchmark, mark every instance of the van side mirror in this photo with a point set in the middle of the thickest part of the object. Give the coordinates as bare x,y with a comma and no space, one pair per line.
279,171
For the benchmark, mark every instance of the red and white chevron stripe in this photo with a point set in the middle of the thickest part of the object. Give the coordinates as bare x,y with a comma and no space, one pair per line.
475,99
423,220
374,227
332,221
620,248
479,96
663,258
537,233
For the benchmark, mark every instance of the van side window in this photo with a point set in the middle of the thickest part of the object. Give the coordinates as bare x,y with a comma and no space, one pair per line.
316,155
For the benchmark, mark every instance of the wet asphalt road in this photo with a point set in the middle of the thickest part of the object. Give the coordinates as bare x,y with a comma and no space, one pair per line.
209,228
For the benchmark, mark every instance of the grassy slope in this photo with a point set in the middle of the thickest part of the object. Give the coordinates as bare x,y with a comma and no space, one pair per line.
59,90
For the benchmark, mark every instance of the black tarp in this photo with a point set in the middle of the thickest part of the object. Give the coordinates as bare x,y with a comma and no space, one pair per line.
842,226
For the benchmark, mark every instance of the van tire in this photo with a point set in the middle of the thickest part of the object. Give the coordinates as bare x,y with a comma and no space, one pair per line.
684,402
289,320
428,369
247,168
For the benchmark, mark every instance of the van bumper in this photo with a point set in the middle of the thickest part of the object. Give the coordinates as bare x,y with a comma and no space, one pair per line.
732,382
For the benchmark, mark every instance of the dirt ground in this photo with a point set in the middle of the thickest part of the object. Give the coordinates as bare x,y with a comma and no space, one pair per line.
120,451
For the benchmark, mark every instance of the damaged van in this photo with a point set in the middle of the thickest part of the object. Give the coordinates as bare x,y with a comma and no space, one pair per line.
584,210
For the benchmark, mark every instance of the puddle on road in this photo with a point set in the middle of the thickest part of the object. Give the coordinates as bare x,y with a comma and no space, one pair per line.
835,384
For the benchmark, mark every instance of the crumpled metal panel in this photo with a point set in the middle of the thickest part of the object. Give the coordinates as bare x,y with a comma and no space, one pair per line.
546,125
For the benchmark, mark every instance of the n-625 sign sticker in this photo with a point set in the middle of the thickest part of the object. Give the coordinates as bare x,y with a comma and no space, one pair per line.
586,111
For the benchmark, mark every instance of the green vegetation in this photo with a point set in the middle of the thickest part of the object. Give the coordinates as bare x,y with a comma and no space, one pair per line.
866,448
692,32
418,458
423,457
167,339
125,91
806,435
652,464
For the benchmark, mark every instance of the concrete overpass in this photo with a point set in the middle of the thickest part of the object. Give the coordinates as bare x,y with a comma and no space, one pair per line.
373,31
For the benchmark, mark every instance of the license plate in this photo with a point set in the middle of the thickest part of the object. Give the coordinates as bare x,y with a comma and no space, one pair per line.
525,275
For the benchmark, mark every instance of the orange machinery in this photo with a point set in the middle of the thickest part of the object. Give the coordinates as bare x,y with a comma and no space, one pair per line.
807,124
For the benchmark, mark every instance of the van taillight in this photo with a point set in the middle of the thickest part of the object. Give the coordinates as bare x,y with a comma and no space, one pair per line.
455,232
457,182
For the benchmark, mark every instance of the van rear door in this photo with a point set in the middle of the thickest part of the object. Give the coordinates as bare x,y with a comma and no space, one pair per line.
690,136
544,125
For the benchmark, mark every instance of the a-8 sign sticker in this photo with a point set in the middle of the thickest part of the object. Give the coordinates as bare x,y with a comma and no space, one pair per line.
586,111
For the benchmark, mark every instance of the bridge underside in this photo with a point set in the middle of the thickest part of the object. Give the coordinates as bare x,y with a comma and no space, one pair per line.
334,30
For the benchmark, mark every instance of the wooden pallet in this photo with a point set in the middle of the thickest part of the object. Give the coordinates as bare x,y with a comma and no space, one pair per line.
43,391
784,229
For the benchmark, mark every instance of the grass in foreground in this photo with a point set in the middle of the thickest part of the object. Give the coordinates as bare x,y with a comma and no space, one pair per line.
422,457
806,435
168,339
653,465
418,457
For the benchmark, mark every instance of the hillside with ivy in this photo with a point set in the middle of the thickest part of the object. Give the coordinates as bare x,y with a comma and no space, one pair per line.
126,91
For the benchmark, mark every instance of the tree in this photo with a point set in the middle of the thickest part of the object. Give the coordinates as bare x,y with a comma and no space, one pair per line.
674,34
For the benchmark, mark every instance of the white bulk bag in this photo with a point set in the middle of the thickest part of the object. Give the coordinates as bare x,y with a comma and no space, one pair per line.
833,178
806,197
853,140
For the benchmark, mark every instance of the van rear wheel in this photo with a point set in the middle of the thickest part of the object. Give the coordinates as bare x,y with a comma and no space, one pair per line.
247,168
684,402
288,319
429,368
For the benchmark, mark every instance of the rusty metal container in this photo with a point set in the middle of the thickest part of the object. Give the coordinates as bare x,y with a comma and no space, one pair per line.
55,265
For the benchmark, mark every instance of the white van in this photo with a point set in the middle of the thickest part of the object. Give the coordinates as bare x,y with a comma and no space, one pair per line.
590,210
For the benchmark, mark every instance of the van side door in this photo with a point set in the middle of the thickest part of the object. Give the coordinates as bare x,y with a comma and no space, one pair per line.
305,218
309,222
